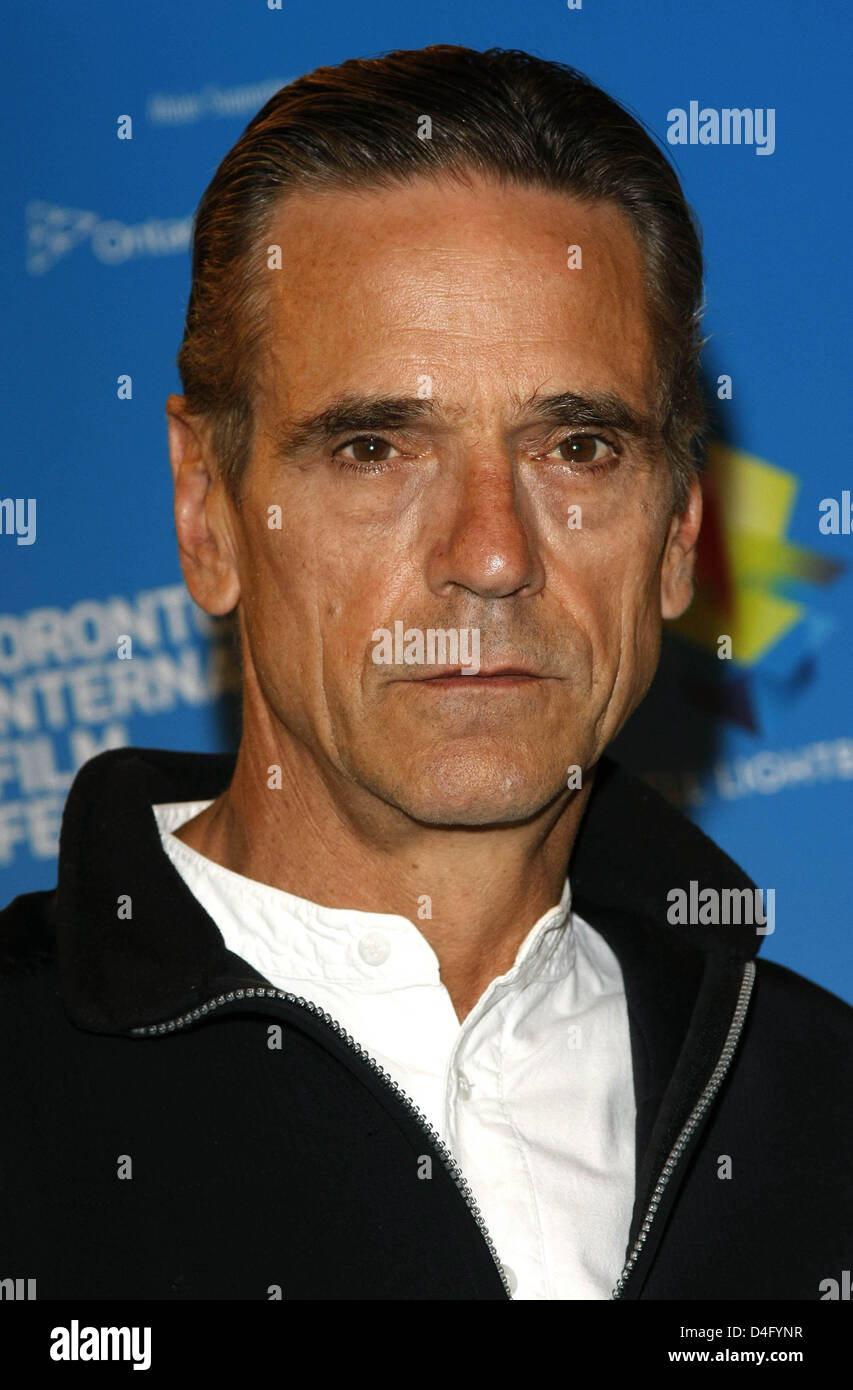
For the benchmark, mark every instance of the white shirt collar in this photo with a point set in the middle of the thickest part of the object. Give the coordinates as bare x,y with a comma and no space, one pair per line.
300,941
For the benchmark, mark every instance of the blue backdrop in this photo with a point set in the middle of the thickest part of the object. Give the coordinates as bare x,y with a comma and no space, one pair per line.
757,748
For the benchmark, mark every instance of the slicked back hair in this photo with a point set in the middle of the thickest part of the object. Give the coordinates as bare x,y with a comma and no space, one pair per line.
501,113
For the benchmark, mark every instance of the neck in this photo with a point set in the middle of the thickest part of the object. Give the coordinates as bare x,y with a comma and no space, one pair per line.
473,892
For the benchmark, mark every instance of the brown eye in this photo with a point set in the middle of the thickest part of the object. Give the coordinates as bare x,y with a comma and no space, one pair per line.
368,448
580,448
581,451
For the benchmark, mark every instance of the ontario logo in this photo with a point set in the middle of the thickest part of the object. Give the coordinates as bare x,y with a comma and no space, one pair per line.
755,587
53,232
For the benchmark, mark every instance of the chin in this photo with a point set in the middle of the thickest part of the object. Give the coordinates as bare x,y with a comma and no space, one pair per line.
465,792
474,814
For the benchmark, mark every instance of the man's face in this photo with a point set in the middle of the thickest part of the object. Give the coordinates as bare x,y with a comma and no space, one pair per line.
469,509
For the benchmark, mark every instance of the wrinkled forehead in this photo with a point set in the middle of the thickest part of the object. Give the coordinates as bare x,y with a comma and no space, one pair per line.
489,289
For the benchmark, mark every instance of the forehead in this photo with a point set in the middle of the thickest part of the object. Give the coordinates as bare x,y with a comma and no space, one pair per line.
474,286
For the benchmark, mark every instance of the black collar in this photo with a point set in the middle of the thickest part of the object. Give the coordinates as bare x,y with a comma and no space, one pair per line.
631,849
169,957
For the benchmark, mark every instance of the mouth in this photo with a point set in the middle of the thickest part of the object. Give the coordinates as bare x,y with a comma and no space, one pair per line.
499,678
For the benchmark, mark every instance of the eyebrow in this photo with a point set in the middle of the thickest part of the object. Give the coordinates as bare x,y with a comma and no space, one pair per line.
353,413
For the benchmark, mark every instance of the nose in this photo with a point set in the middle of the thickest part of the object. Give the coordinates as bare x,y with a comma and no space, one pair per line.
487,543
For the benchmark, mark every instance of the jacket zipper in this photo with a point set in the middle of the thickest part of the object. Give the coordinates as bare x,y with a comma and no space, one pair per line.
683,1140
154,1029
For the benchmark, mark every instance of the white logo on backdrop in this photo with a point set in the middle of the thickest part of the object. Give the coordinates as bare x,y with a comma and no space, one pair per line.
182,108
53,232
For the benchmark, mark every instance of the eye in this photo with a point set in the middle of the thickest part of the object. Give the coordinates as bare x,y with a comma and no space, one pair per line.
368,455
583,451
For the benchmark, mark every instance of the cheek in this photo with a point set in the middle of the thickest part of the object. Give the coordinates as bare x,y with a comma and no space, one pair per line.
279,609
641,617
616,599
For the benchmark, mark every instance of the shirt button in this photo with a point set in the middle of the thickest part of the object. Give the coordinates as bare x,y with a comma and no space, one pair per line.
509,1274
374,948
464,1085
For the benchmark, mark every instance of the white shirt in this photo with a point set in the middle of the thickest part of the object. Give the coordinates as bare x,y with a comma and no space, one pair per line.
533,1093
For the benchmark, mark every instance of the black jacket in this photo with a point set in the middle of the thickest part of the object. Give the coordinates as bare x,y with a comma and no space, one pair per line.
140,1047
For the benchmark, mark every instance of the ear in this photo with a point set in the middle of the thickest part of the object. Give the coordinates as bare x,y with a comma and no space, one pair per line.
679,556
203,513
